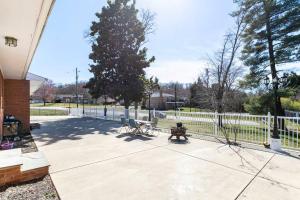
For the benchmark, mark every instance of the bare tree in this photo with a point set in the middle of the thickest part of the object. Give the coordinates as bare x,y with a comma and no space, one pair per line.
206,78
46,92
223,68
148,20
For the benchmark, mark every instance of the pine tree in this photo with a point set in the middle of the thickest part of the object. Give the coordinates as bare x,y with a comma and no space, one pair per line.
271,38
118,55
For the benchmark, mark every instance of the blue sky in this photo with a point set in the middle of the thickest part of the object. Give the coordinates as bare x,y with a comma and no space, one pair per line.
186,32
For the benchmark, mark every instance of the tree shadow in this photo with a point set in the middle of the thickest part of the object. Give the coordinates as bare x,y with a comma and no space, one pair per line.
295,155
73,129
131,137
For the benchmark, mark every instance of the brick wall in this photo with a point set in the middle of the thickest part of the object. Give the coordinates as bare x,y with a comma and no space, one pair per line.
16,100
1,102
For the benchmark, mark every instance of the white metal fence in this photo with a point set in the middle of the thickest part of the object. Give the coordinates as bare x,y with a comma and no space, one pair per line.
289,113
237,127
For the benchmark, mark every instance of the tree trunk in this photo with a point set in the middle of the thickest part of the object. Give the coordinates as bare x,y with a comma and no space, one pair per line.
126,103
105,109
219,99
136,106
278,110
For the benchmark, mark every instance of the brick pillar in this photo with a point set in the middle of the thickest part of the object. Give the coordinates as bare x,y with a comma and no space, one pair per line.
16,100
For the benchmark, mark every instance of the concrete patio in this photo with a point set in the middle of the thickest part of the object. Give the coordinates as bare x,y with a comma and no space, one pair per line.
90,160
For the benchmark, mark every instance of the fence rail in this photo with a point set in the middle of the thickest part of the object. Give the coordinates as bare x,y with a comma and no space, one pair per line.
289,113
255,129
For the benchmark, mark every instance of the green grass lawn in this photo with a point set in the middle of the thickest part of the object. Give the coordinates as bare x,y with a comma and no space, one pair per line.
290,104
247,133
73,105
62,105
41,112
188,109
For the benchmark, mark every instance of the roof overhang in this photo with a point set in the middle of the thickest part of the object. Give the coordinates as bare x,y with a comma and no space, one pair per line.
25,21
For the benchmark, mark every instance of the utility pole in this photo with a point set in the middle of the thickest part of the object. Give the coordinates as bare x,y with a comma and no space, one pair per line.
76,86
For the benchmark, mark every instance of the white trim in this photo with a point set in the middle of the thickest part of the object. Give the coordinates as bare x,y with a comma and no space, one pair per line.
33,46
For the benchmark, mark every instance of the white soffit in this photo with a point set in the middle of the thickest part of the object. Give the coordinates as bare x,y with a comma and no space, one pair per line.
25,21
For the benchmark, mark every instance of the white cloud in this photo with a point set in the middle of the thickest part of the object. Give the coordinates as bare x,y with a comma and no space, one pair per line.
183,71
290,67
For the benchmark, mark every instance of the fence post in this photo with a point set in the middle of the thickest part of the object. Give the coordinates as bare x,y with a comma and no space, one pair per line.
113,114
126,113
153,112
135,113
269,127
215,123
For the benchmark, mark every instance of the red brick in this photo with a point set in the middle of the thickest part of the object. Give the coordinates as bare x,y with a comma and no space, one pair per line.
16,100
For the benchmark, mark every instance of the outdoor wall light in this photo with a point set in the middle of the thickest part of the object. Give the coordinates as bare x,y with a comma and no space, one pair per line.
276,81
267,81
11,41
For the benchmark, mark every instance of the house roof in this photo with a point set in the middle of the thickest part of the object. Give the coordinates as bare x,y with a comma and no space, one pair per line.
25,21
157,94
35,82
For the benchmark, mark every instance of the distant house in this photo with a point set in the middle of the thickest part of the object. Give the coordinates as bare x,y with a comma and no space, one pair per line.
108,100
163,101
158,100
36,82
68,98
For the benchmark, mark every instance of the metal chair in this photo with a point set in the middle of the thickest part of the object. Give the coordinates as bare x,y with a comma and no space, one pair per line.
154,125
154,122
135,126
124,125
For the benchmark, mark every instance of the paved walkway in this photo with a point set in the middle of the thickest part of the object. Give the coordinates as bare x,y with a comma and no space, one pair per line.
90,160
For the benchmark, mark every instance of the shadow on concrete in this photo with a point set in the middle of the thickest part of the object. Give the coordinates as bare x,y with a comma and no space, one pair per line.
175,141
130,137
73,129
294,154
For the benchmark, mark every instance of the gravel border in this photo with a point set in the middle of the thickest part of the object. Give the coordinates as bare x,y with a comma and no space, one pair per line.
40,189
